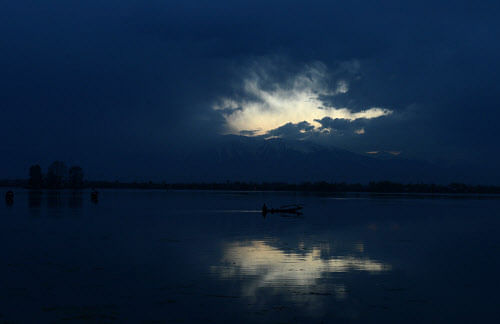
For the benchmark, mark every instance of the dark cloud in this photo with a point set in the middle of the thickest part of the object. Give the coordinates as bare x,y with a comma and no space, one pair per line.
291,131
329,129
340,126
98,82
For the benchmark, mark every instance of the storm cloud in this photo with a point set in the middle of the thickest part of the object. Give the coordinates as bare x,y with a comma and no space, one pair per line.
109,84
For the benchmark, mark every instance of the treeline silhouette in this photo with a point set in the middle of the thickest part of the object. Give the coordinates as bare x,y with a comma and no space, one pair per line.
326,187
371,187
58,176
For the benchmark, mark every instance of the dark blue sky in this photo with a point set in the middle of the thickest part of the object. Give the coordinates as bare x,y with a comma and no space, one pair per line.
107,83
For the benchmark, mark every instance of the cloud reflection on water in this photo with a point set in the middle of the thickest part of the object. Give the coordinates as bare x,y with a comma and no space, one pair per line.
263,265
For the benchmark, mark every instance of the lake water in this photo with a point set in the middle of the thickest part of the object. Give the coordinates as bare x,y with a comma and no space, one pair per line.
211,257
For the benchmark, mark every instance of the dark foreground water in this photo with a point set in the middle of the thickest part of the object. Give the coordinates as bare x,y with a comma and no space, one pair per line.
181,257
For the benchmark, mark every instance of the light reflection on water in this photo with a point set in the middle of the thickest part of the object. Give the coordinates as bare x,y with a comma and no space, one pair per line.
263,265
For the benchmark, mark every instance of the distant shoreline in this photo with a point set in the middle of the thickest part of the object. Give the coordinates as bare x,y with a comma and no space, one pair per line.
380,187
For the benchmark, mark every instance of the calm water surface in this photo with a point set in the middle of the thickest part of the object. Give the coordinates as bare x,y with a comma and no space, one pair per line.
211,257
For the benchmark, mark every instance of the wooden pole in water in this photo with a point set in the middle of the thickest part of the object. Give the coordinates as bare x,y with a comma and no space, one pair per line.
9,197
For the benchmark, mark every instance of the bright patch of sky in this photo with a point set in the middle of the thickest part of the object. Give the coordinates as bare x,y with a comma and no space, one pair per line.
265,107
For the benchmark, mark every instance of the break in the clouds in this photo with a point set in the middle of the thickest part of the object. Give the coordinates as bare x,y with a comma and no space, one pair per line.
119,84
266,105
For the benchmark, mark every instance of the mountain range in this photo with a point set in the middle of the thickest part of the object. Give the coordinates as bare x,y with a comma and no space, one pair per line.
240,158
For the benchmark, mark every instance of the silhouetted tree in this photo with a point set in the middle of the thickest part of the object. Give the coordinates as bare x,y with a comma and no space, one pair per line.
76,177
36,177
57,175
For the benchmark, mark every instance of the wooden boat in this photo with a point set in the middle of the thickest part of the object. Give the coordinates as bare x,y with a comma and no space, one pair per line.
287,209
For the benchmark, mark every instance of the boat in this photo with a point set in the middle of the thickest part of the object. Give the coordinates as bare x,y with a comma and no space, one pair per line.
287,209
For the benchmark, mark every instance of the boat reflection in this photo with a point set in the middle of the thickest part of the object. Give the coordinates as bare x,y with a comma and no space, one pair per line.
262,265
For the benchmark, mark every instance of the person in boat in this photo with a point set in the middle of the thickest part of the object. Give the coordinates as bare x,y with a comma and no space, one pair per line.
264,209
